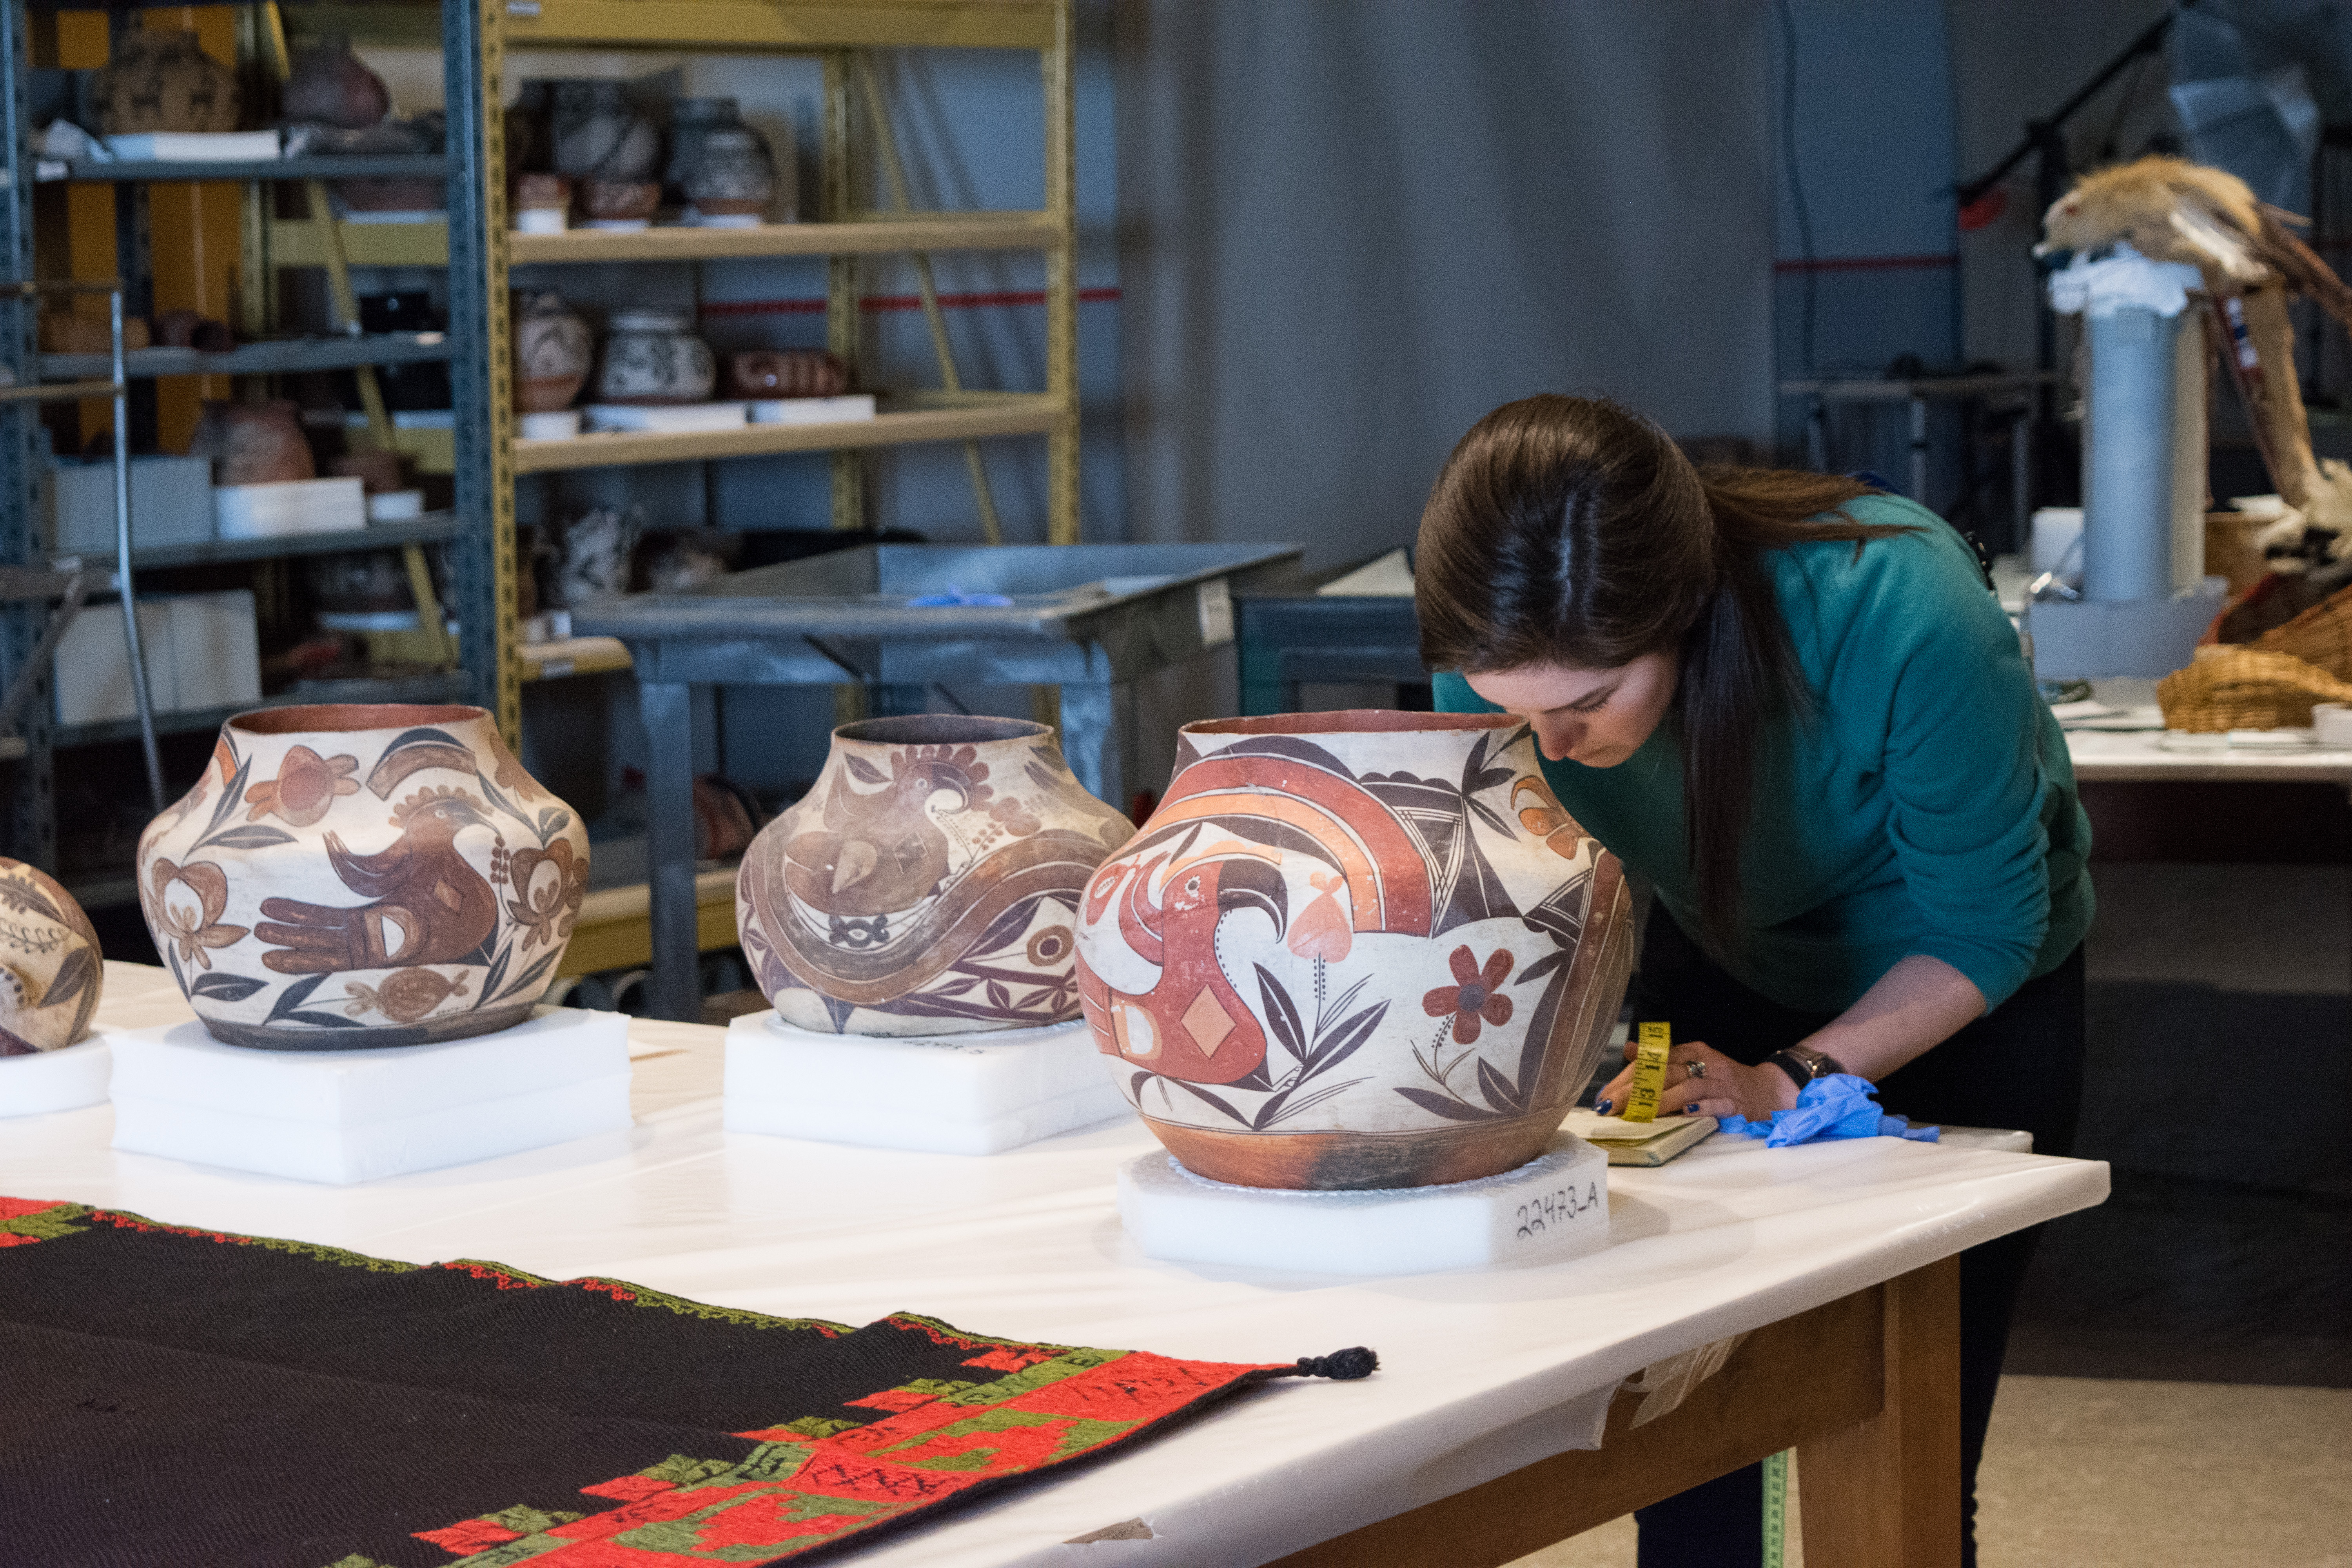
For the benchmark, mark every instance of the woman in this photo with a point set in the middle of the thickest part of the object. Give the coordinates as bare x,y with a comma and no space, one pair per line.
1790,705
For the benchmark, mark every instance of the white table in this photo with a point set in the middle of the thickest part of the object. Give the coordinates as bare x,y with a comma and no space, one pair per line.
1483,1374
2137,756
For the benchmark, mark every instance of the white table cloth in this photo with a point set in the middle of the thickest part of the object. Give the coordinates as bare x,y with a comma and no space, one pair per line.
1482,1373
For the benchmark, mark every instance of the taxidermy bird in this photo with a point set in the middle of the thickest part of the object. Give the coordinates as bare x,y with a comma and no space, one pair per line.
2170,209
1194,1025
429,905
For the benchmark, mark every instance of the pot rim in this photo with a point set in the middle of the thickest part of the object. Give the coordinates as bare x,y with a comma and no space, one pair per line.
349,718
1350,722
940,730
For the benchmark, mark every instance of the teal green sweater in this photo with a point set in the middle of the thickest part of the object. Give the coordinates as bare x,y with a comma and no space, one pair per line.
1927,804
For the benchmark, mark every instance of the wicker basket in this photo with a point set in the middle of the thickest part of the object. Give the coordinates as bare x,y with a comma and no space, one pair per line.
2245,689
2322,635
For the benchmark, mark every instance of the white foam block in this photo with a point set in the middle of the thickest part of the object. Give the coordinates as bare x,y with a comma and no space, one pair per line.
1554,1207
358,1116
943,1094
65,1079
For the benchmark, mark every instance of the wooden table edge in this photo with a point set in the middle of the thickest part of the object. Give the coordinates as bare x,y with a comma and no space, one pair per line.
1866,1388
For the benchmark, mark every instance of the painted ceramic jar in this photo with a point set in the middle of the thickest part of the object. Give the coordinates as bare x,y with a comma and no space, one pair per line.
730,177
332,86
52,968
157,81
653,357
929,884
1355,950
598,136
253,443
552,353
351,876
785,372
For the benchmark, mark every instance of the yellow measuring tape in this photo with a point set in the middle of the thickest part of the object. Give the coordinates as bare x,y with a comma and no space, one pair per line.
1649,1072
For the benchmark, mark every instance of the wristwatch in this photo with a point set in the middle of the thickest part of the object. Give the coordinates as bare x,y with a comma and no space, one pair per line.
1803,1064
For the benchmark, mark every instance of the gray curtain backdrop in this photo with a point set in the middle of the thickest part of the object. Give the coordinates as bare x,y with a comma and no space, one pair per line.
1350,227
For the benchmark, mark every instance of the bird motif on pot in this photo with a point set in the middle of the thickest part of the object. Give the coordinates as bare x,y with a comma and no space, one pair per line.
428,905
881,852
1192,1024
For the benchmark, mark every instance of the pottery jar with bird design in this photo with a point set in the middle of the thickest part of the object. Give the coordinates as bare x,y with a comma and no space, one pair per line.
350,876
929,884
1355,950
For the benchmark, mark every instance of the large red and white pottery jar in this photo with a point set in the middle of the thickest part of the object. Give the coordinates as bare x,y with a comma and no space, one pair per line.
929,884
351,876
51,969
1355,950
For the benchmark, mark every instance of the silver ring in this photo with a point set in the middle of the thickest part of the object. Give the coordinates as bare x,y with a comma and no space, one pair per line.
1696,1067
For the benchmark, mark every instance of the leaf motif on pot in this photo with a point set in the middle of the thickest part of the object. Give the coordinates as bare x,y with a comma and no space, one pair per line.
190,900
412,753
306,785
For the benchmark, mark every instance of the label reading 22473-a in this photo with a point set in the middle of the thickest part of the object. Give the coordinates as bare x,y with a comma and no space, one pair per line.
1557,1209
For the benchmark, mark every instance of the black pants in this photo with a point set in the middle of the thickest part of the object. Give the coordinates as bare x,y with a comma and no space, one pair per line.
2020,1066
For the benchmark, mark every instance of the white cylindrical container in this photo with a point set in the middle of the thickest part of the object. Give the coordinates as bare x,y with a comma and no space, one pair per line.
2128,457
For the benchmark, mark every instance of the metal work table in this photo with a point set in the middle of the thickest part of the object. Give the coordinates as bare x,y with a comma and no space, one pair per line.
1918,391
1088,618
1290,634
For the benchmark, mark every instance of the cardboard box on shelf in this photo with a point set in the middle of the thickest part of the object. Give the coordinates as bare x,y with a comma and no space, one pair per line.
171,503
202,651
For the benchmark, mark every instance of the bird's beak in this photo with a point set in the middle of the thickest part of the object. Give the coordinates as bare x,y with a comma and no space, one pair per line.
1253,885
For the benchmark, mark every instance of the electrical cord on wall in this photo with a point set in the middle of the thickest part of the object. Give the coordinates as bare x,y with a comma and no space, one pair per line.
1788,166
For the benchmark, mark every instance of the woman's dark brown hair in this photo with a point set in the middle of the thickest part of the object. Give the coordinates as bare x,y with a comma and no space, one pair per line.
1570,531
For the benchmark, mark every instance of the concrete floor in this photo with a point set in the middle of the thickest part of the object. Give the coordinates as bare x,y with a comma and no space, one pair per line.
2105,1473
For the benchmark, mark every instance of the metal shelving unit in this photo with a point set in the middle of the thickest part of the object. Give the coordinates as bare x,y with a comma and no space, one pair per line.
478,531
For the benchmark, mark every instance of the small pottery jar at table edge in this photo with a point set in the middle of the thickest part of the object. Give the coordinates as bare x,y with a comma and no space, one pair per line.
352,876
654,357
553,350
51,966
1355,950
253,443
929,884
730,175
160,80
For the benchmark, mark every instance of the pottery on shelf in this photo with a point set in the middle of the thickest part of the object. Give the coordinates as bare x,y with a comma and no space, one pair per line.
654,357
598,136
1355,950
253,443
350,876
929,884
539,204
718,165
379,472
332,86
785,372
629,202
552,352
157,81
52,968
394,193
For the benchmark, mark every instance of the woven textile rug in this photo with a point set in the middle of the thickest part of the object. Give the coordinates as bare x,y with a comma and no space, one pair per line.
170,1395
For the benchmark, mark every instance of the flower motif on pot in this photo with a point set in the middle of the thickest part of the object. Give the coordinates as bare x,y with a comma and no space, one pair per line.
929,883
1475,993
306,785
1263,962
187,908
51,964
395,879
549,886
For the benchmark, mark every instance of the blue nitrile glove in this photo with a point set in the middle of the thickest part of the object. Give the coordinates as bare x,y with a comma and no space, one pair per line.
1838,1106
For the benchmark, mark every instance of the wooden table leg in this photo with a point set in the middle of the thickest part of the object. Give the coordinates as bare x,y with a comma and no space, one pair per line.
1886,1490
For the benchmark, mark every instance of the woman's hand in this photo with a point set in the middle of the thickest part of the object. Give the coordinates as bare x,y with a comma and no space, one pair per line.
1702,1081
